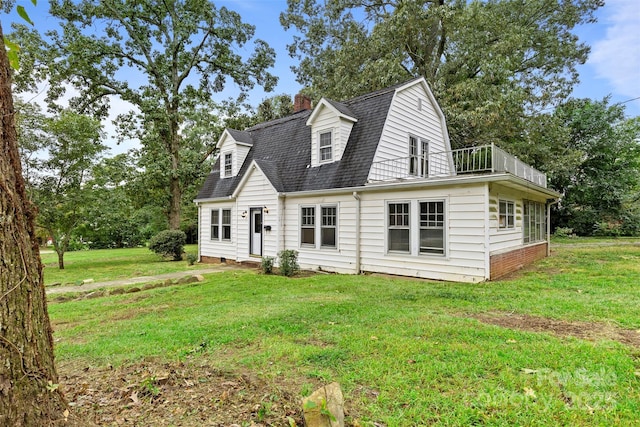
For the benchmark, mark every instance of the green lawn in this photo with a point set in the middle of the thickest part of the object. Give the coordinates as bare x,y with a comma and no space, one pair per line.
108,264
406,352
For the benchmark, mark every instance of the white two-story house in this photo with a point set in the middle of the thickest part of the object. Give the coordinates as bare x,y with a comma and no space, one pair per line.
372,185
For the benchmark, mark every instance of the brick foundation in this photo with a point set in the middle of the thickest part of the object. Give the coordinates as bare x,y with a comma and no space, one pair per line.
511,261
217,260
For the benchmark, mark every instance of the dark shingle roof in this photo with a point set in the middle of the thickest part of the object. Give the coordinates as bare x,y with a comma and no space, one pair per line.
240,135
282,150
341,107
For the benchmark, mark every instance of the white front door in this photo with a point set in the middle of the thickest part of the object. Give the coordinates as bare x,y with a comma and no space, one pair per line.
255,233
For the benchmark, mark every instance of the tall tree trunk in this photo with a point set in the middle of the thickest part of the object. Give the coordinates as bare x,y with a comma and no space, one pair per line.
26,344
175,189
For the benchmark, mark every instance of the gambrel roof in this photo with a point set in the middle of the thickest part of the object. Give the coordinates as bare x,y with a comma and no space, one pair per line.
282,150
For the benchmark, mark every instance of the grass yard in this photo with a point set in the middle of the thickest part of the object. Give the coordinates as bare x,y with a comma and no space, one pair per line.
557,344
108,264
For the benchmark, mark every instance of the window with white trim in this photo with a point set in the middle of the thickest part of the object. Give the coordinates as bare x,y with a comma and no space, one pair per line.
534,221
226,224
328,227
325,147
215,224
506,216
308,225
228,165
320,231
432,233
398,227
221,224
418,156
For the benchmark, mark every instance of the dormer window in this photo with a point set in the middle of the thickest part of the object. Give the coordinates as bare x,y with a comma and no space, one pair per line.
228,165
326,147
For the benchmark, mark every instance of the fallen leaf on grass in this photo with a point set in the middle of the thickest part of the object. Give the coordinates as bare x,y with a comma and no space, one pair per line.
511,341
134,398
374,338
529,392
528,371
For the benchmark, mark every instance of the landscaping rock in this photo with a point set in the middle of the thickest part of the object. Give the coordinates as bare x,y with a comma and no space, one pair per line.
187,279
86,281
200,277
168,282
322,402
95,294
132,290
118,291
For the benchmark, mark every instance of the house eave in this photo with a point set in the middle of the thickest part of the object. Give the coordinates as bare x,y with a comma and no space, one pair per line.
213,199
432,182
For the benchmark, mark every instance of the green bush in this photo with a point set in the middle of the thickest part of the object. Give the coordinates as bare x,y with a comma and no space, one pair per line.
288,260
192,258
169,243
564,232
267,264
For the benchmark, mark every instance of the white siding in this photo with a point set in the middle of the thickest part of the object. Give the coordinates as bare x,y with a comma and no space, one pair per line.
328,120
506,239
239,154
217,248
340,259
464,212
257,192
411,113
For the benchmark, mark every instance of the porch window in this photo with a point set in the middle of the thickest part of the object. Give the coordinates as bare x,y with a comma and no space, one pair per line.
326,147
226,224
432,227
308,226
398,232
506,214
228,165
215,224
534,221
328,227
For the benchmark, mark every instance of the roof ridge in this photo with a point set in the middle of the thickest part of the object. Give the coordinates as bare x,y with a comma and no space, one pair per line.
281,120
380,92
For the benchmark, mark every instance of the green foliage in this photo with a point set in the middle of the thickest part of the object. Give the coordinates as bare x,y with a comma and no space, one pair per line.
491,64
288,262
600,176
59,154
267,264
192,258
169,243
181,52
564,232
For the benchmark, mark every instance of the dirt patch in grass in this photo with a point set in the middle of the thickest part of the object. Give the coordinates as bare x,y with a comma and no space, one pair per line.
179,393
583,330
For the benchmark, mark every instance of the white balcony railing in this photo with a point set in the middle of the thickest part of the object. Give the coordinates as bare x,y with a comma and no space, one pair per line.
473,160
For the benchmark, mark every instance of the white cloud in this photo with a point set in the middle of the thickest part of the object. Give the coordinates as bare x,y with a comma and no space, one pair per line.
616,58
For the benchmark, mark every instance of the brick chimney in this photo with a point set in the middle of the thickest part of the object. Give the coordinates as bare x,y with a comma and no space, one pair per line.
301,102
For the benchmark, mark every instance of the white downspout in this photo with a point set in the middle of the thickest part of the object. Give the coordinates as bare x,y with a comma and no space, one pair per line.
199,232
281,228
357,197
549,204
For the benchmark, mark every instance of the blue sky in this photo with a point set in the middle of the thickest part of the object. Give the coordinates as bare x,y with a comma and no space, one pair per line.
613,67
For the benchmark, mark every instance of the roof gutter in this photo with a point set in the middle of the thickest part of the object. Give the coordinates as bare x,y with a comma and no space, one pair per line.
476,179
213,199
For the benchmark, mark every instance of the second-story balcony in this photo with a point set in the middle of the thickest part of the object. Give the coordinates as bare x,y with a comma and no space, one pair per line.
474,160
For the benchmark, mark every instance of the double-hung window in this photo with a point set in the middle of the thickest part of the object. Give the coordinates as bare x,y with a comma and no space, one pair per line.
399,226
228,165
221,224
418,157
506,218
328,227
308,225
319,231
432,227
325,147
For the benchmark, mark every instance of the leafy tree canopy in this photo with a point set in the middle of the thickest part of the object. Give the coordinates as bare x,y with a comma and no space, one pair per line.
490,63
